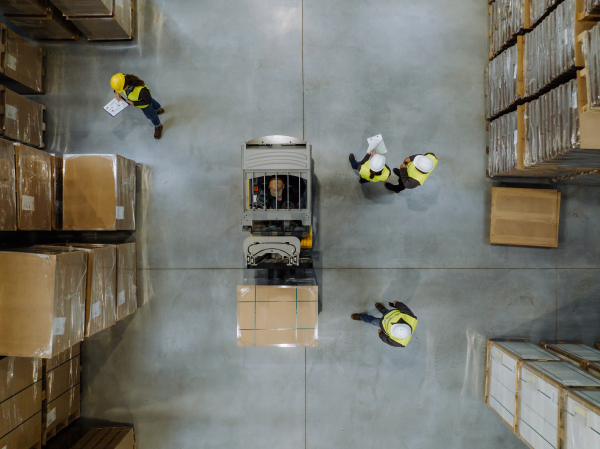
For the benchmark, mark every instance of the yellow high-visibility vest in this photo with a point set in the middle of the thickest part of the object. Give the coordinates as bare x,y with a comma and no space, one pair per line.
135,95
365,172
416,174
394,317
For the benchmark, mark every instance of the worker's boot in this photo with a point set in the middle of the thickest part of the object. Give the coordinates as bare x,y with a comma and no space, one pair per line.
380,307
158,131
356,316
351,158
396,171
391,187
160,111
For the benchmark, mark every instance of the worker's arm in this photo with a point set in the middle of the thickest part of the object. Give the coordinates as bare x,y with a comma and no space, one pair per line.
409,183
145,98
365,159
386,339
402,308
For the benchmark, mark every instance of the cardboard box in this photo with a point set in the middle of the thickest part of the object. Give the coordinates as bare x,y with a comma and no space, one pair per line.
62,378
57,191
525,217
8,188
18,373
42,301
22,119
277,315
63,357
20,407
127,302
98,193
61,412
27,435
580,419
21,64
23,7
107,438
49,25
85,7
34,189
117,26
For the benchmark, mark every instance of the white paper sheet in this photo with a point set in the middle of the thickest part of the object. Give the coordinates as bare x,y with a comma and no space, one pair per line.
376,142
115,106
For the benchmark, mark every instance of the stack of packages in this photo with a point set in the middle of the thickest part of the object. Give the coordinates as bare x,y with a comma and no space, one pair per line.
591,9
38,18
539,8
550,50
544,397
501,83
591,73
507,20
503,138
100,19
21,65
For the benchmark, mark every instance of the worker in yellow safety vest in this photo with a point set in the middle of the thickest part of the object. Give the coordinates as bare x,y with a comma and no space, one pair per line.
396,326
372,168
413,172
138,95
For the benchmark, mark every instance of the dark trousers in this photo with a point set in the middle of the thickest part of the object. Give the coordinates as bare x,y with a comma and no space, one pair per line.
150,112
399,187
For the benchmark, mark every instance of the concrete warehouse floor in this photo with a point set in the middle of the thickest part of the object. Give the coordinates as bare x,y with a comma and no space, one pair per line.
334,72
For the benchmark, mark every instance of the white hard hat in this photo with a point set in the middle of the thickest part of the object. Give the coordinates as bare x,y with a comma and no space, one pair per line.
401,331
377,162
423,164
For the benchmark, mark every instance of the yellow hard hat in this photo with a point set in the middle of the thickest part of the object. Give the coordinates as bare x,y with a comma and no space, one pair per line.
118,82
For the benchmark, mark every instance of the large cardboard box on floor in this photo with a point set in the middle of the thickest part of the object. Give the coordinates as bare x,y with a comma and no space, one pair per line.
21,64
50,25
525,217
107,438
23,119
277,315
98,193
34,189
85,7
501,382
23,7
42,301
581,419
8,188
115,26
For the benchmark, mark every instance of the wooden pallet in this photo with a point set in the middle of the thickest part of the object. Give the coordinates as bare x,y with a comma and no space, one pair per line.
48,434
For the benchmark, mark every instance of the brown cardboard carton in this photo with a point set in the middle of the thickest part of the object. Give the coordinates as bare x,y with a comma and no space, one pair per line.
277,315
107,438
27,435
98,192
8,188
117,26
49,25
63,357
21,64
23,7
62,378
62,410
18,373
23,119
85,7
42,301
34,189
20,408
127,302
57,191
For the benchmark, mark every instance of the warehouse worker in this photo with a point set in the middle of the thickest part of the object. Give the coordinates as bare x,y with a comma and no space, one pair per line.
372,168
413,172
397,325
138,95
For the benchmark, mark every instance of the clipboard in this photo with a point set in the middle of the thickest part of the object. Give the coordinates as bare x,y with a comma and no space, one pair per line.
115,107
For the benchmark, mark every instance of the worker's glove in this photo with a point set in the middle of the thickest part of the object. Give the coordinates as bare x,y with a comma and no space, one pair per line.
391,304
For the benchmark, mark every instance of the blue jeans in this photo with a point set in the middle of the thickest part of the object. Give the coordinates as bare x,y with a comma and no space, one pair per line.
371,319
354,164
150,112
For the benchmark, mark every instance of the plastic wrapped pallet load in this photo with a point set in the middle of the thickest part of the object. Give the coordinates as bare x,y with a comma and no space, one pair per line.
8,192
23,119
50,25
34,189
85,7
581,419
503,358
115,26
21,64
508,18
23,6
591,55
542,386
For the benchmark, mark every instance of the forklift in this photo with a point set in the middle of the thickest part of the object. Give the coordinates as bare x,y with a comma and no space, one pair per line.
277,207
